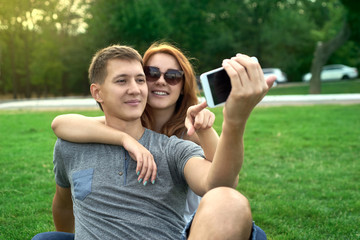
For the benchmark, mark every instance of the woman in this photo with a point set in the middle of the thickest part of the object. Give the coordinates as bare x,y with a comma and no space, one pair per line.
171,109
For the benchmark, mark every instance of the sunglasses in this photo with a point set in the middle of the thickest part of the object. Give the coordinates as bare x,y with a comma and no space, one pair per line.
171,76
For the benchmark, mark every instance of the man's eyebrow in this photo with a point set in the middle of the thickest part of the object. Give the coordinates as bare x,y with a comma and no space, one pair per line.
127,75
120,75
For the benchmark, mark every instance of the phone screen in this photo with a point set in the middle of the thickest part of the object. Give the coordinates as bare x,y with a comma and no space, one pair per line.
220,86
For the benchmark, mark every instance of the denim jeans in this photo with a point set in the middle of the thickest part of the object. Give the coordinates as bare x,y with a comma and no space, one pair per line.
256,234
54,236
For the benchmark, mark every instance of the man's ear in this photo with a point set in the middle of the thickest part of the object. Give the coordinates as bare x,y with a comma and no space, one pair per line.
95,90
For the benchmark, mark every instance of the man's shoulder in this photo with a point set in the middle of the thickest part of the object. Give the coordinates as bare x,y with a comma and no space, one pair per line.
150,134
64,145
65,142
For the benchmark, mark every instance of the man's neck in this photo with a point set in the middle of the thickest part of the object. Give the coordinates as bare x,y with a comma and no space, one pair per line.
133,128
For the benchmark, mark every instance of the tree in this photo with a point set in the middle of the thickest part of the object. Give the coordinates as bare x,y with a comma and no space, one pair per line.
286,40
324,50
322,54
134,23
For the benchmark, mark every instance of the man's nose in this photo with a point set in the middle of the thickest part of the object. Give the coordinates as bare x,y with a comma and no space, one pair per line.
134,87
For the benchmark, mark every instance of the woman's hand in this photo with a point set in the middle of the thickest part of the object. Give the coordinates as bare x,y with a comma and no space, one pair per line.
146,167
198,118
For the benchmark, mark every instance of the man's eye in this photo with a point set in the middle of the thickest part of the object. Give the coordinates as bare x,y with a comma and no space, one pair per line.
120,81
141,80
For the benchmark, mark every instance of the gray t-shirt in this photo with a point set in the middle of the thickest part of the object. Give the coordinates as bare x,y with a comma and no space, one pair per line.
109,202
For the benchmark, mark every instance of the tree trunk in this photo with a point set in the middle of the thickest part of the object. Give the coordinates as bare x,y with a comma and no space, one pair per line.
322,54
1,79
64,89
27,65
12,63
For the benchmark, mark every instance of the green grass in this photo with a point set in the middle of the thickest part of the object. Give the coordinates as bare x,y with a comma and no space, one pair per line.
333,87
344,86
301,171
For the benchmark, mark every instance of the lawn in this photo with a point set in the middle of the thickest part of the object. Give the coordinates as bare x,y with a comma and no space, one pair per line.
301,171
331,87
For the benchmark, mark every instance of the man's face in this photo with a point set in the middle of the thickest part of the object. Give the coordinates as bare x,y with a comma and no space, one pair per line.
124,91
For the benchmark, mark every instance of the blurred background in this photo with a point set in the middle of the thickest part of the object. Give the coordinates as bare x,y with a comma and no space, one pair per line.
46,45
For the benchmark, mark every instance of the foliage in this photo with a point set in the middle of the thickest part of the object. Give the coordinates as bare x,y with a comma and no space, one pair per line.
46,46
300,174
37,38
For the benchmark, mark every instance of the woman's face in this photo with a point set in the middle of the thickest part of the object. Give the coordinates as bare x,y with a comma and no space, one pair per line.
161,94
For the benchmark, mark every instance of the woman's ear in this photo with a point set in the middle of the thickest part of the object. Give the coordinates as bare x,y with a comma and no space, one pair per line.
95,90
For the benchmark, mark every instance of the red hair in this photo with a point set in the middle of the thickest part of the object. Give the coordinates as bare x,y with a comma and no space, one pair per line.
176,124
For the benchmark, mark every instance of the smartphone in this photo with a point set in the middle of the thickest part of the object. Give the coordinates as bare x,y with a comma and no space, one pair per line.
216,86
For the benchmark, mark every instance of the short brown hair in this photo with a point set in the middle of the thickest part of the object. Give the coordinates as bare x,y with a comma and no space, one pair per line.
97,69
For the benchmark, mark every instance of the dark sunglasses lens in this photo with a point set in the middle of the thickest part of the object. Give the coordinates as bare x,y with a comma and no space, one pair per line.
172,77
152,73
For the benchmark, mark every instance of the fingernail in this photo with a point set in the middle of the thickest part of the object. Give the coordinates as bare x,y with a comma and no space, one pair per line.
145,183
138,173
254,59
153,182
140,180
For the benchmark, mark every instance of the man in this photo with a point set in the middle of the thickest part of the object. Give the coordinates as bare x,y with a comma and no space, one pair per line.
98,193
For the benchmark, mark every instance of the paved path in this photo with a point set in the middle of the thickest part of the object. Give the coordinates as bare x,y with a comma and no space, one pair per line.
89,103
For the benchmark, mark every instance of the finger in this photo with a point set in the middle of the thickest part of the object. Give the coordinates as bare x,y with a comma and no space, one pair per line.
210,120
154,172
270,80
143,171
199,120
252,66
256,81
191,131
148,171
189,126
205,122
194,110
139,165
236,73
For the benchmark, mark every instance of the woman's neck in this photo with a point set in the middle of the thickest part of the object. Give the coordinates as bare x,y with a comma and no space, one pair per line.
161,117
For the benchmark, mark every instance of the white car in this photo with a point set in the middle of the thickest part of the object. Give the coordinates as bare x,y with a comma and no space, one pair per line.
334,72
280,75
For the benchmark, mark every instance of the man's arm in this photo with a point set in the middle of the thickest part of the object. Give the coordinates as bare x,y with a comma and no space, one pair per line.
62,209
248,88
